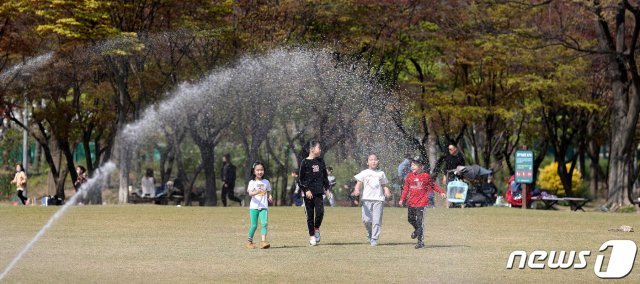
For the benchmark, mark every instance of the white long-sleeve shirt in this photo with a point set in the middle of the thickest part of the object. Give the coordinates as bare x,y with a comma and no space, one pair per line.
148,186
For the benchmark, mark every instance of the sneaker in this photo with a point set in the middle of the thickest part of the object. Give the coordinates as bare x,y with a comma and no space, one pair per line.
317,235
414,234
419,245
265,245
250,245
374,243
312,241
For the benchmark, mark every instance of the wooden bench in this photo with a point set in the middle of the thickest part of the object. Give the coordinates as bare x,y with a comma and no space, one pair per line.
576,203
135,199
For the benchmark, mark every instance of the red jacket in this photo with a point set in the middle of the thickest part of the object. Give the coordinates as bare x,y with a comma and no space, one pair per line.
416,189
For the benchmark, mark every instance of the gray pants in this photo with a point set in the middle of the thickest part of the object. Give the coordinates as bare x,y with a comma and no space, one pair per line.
372,217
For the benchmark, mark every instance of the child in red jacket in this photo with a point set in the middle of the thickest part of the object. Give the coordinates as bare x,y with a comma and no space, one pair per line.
416,190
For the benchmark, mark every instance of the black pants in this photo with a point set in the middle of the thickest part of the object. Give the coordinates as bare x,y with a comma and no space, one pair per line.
228,190
416,218
314,208
23,198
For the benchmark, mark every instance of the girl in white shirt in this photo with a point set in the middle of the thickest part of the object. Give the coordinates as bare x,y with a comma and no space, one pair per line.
373,195
260,191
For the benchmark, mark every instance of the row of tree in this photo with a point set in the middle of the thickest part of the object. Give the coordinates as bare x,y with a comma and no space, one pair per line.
491,75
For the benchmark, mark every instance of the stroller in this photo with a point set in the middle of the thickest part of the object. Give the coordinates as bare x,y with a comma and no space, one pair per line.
516,201
471,186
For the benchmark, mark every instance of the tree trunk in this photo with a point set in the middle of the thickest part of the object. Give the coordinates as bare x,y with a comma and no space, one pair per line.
123,192
208,164
625,82
593,152
432,145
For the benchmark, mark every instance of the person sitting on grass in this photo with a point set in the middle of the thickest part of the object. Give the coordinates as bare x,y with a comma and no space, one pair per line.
260,191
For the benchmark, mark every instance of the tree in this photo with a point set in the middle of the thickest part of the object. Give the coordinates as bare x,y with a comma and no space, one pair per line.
614,40
620,46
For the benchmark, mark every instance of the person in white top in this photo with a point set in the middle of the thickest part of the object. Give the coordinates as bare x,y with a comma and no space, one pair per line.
260,191
373,195
148,185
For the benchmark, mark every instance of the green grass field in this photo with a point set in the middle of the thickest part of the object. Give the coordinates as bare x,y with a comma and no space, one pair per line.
169,244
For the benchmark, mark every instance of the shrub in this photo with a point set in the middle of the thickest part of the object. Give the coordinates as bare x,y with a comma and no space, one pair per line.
550,180
6,188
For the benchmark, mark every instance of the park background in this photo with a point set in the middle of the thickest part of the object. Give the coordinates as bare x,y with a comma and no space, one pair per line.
392,77
490,76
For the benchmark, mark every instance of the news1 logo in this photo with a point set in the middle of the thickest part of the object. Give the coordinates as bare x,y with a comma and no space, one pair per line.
620,260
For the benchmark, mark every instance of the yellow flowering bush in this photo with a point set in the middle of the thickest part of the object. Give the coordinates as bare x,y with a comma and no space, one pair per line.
550,180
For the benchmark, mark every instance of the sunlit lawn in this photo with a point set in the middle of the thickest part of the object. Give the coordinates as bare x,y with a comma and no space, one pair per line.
169,244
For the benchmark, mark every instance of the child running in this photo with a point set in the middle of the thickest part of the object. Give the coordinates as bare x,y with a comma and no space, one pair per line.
260,191
416,190
374,182
313,181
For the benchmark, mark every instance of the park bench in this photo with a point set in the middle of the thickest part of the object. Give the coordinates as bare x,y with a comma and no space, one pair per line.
135,199
576,203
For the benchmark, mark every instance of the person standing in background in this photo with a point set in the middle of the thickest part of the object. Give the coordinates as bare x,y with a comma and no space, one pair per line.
332,183
228,181
82,177
403,169
20,180
148,184
451,161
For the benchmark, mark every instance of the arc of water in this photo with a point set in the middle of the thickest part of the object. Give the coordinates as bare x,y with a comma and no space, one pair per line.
28,65
97,181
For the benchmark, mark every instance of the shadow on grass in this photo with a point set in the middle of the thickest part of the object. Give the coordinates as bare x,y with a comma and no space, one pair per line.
321,244
390,244
364,243
286,247
425,246
446,246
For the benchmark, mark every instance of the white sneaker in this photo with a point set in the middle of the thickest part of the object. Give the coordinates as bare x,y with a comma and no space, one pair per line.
312,241
317,236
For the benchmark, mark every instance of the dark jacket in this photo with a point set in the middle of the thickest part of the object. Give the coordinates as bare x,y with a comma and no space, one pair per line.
229,174
312,176
450,163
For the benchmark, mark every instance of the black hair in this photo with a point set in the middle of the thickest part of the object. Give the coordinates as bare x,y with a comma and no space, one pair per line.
149,172
312,144
82,168
227,157
21,167
253,167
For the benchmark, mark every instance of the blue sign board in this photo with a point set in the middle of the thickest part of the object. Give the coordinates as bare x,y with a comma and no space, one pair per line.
524,166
